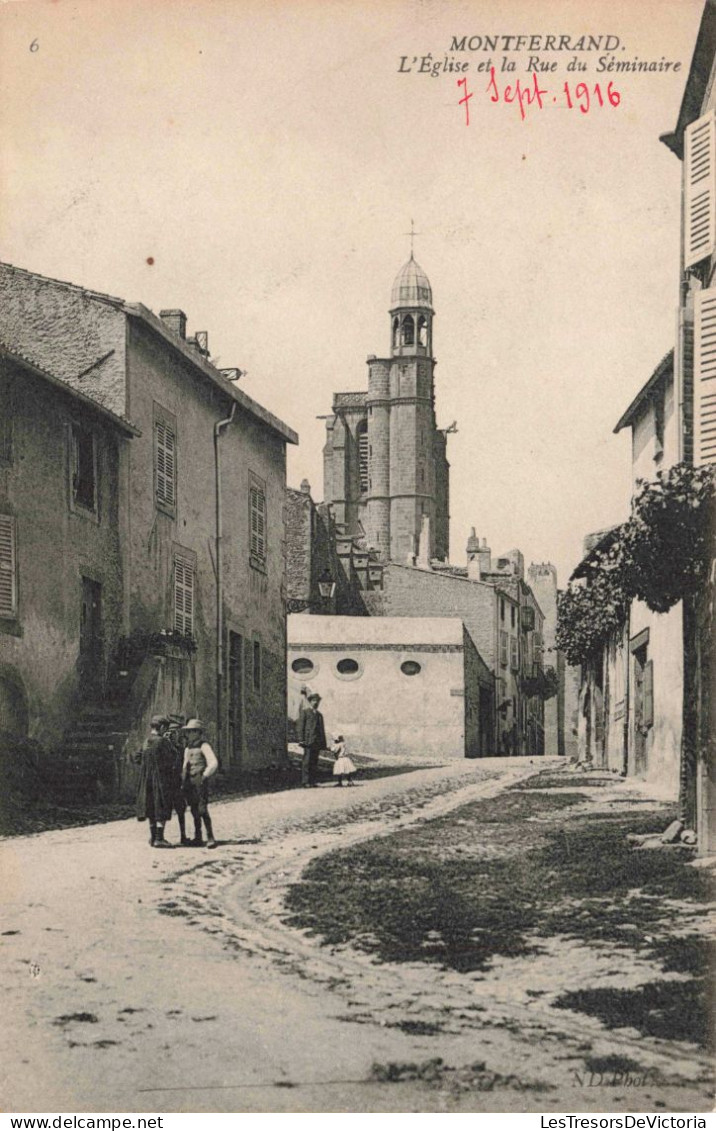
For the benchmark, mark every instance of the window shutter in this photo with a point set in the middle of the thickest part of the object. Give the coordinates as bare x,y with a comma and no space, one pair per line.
165,463
183,596
705,378
258,522
514,654
699,190
503,649
649,693
8,578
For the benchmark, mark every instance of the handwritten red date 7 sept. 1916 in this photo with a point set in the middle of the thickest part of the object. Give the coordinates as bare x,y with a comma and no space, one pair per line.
582,96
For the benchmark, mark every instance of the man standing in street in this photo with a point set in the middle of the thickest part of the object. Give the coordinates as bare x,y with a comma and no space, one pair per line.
175,735
312,737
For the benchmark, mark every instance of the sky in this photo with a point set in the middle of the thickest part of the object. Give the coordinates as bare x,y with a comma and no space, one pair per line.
258,164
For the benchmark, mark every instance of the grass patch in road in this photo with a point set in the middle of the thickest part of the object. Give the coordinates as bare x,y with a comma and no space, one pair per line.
612,1064
435,1073
408,898
498,876
565,781
676,1011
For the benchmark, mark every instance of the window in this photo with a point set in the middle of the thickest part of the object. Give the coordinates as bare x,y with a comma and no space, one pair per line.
659,414
8,566
257,521
396,332
362,435
302,666
257,665
502,608
408,331
184,596
165,466
513,613
422,330
514,654
503,649
348,668
410,667
83,468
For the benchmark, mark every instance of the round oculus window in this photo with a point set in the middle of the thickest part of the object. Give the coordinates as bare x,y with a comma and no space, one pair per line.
347,667
410,667
302,666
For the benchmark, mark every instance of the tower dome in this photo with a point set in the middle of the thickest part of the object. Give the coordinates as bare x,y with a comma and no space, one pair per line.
411,287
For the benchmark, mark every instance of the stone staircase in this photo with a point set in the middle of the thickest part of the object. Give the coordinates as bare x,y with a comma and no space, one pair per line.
86,767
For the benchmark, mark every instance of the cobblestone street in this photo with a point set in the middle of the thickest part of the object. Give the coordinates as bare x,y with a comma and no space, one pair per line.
174,981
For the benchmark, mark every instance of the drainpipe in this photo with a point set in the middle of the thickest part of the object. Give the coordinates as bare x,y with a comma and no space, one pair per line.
218,429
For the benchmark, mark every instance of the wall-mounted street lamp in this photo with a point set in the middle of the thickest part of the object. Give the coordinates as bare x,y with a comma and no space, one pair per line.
326,585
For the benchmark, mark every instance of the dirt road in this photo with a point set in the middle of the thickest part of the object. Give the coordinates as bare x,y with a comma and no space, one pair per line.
143,981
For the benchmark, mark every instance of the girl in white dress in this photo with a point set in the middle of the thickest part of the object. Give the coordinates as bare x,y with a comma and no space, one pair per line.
343,768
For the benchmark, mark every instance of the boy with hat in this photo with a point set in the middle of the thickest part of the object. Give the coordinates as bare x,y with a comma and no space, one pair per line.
200,763
312,737
154,788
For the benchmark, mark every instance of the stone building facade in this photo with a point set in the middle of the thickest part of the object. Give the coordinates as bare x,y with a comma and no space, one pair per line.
392,685
504,621
185,536
318,554
62,566
386,473
542,580
631,692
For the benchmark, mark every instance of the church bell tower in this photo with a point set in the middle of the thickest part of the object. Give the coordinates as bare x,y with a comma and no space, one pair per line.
406,486
386,473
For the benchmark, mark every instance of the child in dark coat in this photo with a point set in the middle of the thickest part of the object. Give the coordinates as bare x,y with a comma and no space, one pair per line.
154,788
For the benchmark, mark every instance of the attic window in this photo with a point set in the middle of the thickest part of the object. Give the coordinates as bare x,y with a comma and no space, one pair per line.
302,666
410,667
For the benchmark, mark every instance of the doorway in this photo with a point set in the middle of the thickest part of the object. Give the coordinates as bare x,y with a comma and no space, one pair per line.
90,658
643,707
236,697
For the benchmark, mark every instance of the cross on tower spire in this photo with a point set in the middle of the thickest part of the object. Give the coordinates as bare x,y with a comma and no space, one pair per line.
412,233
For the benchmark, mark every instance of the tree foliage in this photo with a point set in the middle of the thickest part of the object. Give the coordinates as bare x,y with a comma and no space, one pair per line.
545,684
667,545
660,556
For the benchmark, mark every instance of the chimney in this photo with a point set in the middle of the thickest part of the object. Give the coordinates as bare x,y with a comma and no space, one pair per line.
473,556
200,342
175,321
485,555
